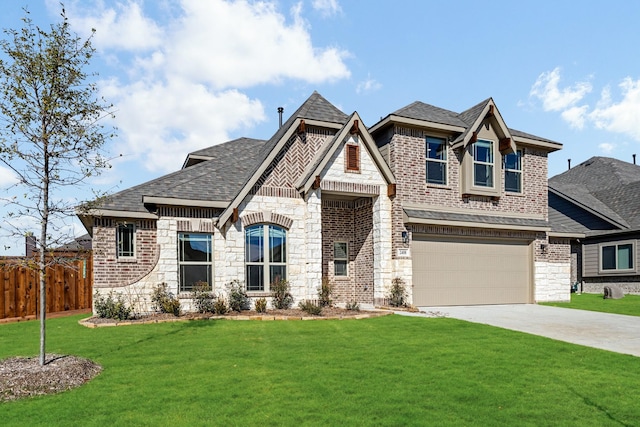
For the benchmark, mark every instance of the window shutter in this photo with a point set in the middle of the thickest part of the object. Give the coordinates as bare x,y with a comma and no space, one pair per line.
353,158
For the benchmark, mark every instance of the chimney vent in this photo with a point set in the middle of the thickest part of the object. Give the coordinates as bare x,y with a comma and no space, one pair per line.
569,161
634,159
280,111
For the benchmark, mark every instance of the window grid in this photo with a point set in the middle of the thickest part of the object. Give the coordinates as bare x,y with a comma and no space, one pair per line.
195,260
126,241
483,163
513,172
263,268
436,160
340,259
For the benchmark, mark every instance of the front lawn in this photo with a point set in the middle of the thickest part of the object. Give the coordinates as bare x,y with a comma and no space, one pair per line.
629,305
392,370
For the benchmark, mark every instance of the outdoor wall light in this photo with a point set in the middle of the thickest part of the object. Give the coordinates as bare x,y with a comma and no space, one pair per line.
543,248
405,237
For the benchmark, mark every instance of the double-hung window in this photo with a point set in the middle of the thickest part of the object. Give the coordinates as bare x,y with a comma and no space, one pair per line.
617,257
513,172
194,260
265,256
483,163
340,259
436,160
126,241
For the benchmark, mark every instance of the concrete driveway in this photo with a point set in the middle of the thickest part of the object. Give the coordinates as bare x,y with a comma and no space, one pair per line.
611,332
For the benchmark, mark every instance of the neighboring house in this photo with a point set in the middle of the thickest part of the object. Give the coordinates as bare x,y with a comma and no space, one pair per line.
453,204
597,204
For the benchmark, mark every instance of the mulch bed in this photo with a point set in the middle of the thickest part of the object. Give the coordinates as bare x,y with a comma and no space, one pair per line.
290,314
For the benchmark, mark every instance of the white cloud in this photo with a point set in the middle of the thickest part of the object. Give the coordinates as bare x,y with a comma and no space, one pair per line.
182,87
546,88
327,7
123,26
368,85
575,116
623,116
7,177
606,147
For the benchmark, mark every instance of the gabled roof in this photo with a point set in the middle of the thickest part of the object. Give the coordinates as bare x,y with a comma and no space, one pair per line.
605,188
314,111
463,124
323,155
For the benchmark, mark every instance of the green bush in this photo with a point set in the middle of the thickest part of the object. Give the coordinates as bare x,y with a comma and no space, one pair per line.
238,299
397,293
280,291
310,307
112,306
203,298
164,301
220,306
325,292
261,305
353,306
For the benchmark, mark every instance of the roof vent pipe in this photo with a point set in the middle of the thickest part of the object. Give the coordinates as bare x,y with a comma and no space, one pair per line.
280,111
569,161
634,159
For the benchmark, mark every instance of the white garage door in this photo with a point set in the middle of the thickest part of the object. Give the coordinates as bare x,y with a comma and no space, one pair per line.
470,271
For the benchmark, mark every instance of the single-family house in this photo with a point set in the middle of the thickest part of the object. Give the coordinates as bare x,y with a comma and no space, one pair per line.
597,204
454,204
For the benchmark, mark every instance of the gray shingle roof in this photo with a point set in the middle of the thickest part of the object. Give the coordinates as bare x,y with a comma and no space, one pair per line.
229,169
213,180
481,219
608,186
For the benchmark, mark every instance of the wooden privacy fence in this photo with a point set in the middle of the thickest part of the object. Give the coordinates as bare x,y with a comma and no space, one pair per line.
69,288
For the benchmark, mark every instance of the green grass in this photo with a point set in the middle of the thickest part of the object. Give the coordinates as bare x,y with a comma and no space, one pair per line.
629,305
392,370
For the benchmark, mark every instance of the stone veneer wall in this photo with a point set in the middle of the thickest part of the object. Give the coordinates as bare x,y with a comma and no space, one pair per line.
553,271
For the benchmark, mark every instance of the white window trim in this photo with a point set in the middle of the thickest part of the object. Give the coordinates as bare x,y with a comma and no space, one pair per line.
134,230
601,246
476,162
346,258
443,161
519,171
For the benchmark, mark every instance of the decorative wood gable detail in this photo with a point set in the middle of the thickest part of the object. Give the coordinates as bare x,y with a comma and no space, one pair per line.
352,157
391,190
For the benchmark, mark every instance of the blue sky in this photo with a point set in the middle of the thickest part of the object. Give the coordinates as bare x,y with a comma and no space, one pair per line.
187,74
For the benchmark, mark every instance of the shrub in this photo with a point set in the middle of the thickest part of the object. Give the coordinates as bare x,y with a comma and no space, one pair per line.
310,307
282,298
220,306
398,293
164,301
238,299
261,305
203,299
111,307
353,306
325,292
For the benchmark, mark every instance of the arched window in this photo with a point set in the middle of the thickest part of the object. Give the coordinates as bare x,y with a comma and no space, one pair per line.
265,256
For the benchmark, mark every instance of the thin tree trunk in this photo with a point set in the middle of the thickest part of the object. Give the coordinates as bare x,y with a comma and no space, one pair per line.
43,248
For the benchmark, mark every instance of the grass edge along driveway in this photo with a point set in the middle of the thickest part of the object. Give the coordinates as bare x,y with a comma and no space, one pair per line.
393,370
629,305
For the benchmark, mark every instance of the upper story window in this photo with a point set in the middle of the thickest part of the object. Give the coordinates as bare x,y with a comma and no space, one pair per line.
483,163
126,241
513,172
617,257
436,160
195,260
265,256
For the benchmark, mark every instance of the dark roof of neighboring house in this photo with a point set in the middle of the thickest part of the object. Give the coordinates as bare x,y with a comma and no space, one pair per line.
599,194
223,169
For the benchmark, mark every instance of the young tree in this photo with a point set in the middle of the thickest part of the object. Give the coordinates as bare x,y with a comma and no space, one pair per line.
51,133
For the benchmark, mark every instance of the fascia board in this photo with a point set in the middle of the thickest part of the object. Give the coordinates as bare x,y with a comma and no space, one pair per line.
549,146
568,235
171,201
414,122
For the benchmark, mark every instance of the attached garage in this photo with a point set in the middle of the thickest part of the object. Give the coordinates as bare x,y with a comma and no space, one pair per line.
465,271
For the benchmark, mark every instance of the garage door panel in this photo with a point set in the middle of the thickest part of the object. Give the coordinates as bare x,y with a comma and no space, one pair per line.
469,272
